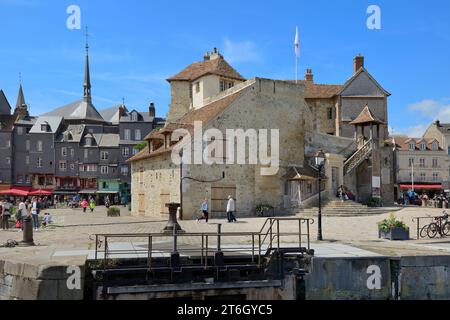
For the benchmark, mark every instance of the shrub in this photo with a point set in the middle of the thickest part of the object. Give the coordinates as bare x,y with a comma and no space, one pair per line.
392,223
374,202
113,212
264,208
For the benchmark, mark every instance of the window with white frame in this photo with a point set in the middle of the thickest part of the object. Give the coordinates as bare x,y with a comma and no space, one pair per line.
137,135
422,163
435,163
27,160
124,170
64,151
39,163
62,166
104,169
134,116
412,146
127,134
72,152
435,176
423,176
126,152
411,162
104,155
39,146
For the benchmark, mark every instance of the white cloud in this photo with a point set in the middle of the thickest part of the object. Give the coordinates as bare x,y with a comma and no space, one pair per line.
432,110
416,131
240,52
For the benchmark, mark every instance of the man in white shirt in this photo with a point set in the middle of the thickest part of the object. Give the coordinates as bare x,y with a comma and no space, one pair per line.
22,212
231,208
35,213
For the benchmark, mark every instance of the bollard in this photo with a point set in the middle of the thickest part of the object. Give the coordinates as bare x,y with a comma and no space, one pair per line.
28,232
175,256
218,257
172,223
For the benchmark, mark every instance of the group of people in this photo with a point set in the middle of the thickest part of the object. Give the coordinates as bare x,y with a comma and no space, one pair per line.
23,210
231,209
344,194
85,204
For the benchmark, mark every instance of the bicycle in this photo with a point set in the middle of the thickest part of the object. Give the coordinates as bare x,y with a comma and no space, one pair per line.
439,227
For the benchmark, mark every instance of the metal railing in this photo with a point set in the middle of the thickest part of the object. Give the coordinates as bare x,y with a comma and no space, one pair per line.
202,248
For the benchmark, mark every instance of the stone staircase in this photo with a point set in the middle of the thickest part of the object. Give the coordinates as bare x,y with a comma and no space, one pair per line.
358,157
338,208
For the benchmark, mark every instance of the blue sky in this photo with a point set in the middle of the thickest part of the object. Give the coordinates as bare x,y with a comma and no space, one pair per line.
137,44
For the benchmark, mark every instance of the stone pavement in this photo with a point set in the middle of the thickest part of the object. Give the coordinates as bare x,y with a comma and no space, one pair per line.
74,231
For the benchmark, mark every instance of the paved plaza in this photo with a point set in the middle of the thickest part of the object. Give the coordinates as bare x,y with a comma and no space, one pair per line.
73,235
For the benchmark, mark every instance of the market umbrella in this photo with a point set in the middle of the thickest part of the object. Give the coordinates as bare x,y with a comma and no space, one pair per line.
40,192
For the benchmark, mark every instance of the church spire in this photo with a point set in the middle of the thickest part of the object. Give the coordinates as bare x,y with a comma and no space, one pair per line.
87,76
21,106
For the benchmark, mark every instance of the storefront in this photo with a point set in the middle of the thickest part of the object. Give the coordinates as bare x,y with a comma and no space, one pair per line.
109,188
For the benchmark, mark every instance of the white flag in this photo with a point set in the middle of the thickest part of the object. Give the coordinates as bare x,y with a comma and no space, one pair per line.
297,44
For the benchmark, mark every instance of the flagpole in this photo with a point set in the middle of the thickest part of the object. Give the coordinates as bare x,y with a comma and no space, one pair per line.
296,69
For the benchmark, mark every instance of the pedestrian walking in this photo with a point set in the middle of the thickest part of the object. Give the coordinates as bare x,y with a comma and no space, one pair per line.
84,205
205,211
231,208
5,209
92,205
22,213
35,213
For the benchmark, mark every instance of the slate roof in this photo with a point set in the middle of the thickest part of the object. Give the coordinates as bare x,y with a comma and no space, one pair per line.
7,123
199,69
53,122
27,121
5,107
112,114
109,140
142,116
78,110
76,131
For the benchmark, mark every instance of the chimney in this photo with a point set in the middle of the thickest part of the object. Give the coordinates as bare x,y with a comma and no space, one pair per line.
309,75
152,110
358,62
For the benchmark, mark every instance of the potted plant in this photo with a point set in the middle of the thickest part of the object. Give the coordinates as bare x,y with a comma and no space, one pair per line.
263,208
113,212
393,229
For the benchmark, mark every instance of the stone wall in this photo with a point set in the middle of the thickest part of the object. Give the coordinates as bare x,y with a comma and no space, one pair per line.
320,110
21,280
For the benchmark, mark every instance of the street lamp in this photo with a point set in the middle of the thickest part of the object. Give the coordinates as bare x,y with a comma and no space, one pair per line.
320,161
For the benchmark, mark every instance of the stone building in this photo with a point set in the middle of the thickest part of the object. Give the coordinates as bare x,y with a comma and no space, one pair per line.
421,164
309,117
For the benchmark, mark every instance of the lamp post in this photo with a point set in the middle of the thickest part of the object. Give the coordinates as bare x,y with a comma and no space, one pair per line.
320,161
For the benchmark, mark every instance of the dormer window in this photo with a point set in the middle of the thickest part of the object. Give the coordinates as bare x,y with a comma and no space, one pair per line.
134,116
435,146
423,146
44,127
412,146
88,141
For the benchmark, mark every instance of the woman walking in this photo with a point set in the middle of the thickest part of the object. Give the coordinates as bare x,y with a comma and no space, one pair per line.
84,205
92,205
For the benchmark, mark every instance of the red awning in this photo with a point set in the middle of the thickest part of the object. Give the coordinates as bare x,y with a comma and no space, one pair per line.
41,192
15,193
422,186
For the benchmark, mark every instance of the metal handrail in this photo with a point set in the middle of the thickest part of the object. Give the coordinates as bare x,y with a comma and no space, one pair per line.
267,230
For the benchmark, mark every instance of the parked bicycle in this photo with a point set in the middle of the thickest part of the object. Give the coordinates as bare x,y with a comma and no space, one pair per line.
440,226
